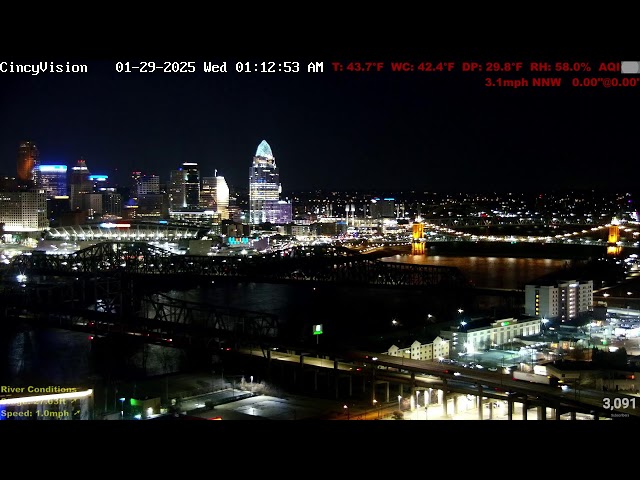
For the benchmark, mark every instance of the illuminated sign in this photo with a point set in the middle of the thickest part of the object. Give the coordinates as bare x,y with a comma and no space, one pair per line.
53,168
504,324
99,178
317,329
238,241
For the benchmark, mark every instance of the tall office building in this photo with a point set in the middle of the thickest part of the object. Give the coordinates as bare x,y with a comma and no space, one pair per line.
214,195
53,179
383,208
184,187
79,184
176,190
28,161
222,197
148,184
191,185
264,183
208,193
24,211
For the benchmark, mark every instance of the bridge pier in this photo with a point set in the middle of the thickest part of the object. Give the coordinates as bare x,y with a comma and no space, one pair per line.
542,413
525,408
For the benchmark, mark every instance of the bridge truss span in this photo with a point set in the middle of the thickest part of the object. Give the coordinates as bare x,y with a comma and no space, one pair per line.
318,264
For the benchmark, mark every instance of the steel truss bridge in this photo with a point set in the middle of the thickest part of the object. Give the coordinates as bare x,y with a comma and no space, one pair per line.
112,288
334,264
115,305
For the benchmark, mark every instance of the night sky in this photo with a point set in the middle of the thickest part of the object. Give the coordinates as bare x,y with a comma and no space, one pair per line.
426,131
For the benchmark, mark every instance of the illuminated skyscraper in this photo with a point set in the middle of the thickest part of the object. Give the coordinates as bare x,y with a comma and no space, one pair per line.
264,183
53,179
79,184
191,185
184,187
28,161
176,190
214,195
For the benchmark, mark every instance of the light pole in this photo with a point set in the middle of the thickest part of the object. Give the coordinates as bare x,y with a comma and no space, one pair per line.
375,402
399,404
121,408
346,409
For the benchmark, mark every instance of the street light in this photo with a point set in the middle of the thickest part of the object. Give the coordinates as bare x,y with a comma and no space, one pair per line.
121,408
375,402
346,409
399,400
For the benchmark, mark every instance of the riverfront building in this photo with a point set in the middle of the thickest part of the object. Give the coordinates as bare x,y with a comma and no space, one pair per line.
483,334
560,300
437,349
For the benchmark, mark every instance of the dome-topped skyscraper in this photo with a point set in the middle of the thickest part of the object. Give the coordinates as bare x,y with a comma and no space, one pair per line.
264,183
264,150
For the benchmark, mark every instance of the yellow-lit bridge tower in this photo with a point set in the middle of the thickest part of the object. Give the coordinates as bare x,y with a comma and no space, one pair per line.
417,239
614,237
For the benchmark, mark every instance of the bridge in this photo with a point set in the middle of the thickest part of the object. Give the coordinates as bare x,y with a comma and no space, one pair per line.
112,288
375,374
332,264
517,230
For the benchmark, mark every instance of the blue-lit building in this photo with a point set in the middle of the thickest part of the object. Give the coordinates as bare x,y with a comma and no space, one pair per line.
53,180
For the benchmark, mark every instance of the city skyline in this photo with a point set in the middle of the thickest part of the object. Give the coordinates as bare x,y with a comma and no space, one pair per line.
440,130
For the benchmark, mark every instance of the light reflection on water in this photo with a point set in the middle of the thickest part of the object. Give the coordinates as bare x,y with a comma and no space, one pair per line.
490,272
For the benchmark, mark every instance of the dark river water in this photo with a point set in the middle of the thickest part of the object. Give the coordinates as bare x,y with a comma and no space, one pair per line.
59,357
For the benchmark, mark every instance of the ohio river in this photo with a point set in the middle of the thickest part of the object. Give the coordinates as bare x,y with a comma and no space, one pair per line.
57,357
490,272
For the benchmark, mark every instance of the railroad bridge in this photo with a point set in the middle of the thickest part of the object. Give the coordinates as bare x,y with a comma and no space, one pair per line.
114,288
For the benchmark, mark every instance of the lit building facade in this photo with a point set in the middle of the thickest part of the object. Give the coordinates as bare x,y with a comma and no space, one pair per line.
482,334
28,161
264,183
214,195
277,212
435,350
79,184
184,187
383,208
53,180
559,300
191,185
176,189
148,184
24,211
222,197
